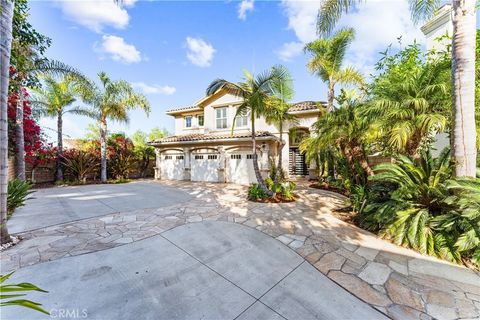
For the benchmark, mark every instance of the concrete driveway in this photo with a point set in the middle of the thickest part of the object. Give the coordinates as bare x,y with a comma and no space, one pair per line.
65,204
206,270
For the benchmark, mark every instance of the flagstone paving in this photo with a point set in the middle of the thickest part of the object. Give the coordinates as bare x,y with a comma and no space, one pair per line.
396,281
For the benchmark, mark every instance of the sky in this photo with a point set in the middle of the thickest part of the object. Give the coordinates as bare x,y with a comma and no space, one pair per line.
172,50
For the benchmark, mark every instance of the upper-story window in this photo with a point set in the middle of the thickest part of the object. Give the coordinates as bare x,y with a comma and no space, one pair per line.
200,120
221,117
241,120
188,121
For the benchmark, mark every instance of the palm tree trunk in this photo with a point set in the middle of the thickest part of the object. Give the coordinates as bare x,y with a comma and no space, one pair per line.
19,139
280,157
256,169
6,16
330,96
103,150
59,145
463,78
362,160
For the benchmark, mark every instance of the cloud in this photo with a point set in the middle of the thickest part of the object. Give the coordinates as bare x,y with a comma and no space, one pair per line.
199,52
154,89
393,17
119,50
96,15
289,50
243,7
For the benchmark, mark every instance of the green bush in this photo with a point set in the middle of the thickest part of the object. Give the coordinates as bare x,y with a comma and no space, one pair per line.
256,193
287,190
18,192
80,164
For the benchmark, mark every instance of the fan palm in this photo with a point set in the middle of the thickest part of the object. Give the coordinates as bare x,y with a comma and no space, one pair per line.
463,141
255,92
327,62
110,101
55,99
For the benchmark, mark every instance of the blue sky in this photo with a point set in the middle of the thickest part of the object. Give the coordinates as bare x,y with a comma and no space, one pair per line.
172,50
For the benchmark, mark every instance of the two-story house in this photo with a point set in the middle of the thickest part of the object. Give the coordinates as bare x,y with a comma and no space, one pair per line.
205,149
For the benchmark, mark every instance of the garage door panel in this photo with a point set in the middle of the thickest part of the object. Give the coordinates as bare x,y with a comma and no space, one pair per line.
205,167
172,167
240,169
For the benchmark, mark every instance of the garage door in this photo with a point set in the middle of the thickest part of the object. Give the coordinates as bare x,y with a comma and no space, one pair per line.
171,167
205,167
240,169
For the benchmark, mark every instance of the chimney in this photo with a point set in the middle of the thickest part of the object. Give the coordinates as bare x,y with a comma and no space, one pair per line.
440,25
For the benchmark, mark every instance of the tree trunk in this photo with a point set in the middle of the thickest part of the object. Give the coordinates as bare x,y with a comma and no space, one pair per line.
19,139
330,164
258,175
463,77
331,96
103,150
6,16
351,163
362,160
280,157
59,146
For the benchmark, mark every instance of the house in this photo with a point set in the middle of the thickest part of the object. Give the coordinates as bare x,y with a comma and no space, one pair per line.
204,148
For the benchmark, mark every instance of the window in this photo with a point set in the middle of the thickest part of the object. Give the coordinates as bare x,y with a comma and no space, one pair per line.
236,156
179,157
241,120
168,157
188,121
249,156
200,121
197,157
221,116
212,157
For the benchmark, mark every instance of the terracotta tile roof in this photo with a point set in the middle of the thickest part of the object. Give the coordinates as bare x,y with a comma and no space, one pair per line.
306,105
179,109
211,136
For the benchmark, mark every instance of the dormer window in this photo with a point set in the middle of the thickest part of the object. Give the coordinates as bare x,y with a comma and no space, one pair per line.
188,121
200,121
221,117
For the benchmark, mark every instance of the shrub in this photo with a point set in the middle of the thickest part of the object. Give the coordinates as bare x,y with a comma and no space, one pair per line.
18,192
121,157
287,190
80,164
13,294
256,193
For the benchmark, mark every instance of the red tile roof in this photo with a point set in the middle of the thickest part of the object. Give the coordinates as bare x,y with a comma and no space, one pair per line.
211,136
297,106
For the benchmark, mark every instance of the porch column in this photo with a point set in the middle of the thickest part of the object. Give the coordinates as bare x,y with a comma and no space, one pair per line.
221,165
187,153
264,163
158,159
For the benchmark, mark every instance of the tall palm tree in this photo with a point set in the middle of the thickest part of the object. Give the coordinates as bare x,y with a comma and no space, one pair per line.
277,112
6,17
55,99
110,101
255,92
327,62
463,69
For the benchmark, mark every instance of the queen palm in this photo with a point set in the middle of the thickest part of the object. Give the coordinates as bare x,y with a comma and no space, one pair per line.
327,62
463,69
110,101
255,92
55,99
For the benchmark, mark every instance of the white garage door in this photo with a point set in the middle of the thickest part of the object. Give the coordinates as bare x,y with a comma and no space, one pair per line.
240,169
171,167
205,167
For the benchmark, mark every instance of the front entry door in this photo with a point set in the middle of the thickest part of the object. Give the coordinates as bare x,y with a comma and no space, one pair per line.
297,163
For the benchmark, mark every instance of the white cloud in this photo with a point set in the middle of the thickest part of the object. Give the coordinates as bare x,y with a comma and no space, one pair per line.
154,89
95,15
119,50
243,7
290,50
199,52
392,16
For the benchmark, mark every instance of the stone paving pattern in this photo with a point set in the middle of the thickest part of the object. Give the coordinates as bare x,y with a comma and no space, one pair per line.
398,282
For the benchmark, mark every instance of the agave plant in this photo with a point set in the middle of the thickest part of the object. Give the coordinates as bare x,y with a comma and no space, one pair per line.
10,294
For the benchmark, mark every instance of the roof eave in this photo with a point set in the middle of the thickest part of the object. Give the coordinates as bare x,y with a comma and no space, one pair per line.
202,141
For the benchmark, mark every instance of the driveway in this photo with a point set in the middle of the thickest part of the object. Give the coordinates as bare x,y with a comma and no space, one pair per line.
206,270
65,204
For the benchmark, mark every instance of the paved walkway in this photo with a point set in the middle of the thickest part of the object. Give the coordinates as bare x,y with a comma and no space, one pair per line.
394,280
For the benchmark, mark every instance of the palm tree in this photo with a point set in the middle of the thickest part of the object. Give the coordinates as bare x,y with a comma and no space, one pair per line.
255,92
6,13
54,99
277,113
327,60
110,101
463,69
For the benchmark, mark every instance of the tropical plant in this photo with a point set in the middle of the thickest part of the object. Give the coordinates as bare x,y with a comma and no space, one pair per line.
79,164
255,192
143,152
54,99
18,193
463,141
254,91
10,294
327,62
121,156
110,101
